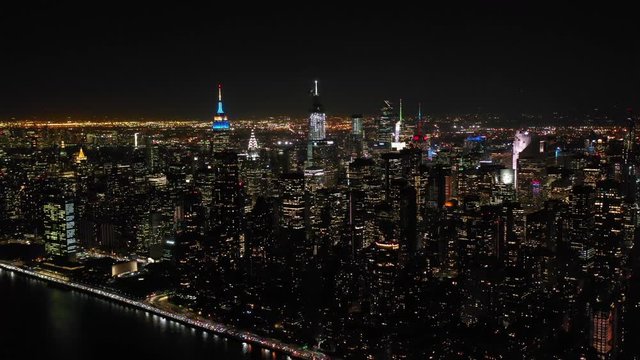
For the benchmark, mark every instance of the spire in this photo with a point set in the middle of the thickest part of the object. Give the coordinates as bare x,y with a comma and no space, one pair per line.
317,107
419,111
220,121
253,142
398,125
252,150
81,156
220,111
317,118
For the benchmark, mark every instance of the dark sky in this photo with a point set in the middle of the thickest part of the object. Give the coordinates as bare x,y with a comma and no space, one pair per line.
156,60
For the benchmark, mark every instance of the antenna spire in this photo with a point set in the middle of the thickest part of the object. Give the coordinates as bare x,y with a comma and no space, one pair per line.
220,110
315,92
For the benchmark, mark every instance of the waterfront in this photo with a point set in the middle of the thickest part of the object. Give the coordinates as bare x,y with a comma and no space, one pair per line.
41,319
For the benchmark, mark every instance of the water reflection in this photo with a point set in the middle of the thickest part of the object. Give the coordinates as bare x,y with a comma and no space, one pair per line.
74,325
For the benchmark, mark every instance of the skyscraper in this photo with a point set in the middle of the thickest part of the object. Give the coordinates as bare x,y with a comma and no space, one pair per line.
252,149
220,126
420,138
521,140
227,204
317,117
386,125
59,219
357,135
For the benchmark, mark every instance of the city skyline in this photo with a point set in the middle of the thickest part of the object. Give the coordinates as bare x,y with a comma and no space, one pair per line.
378,182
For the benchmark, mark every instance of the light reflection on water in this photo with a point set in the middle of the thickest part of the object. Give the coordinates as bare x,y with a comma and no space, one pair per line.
72,325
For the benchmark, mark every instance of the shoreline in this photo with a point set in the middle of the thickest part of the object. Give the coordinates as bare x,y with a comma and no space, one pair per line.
205,325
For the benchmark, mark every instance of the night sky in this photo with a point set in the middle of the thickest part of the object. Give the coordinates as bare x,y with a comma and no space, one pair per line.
160,61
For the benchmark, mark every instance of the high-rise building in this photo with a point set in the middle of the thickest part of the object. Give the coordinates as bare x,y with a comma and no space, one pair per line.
220,127
386,125
317,117
604,332
292,201
608,229
357,135
630,159
252,171
521,140
252,149
581,220
227,207
356,125
420,137
59,219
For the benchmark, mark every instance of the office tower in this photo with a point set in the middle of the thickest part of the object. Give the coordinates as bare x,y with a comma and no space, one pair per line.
325,156
252,171
253,152
420,137
521,141
186,251
385,125
581,222
228,204
292,199
261,248
398,128
357,136
531,170
503,186
59,219
630,162
292,221
152,156
220,127
604,331
382,273
317,117
439,186
366,186
314,179
357,125
447,241
608,230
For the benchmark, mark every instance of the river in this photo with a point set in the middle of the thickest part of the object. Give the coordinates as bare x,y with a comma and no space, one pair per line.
40,320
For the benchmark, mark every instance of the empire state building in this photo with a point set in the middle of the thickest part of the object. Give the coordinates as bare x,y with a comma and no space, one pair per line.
220,127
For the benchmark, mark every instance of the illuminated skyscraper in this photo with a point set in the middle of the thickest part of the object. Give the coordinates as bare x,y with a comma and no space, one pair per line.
581,222
317,118
386,125
630,160
252,150
521,140
604,332
292,201
227,211
221,126
356,124
420,138
398,126
357,135
59,220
